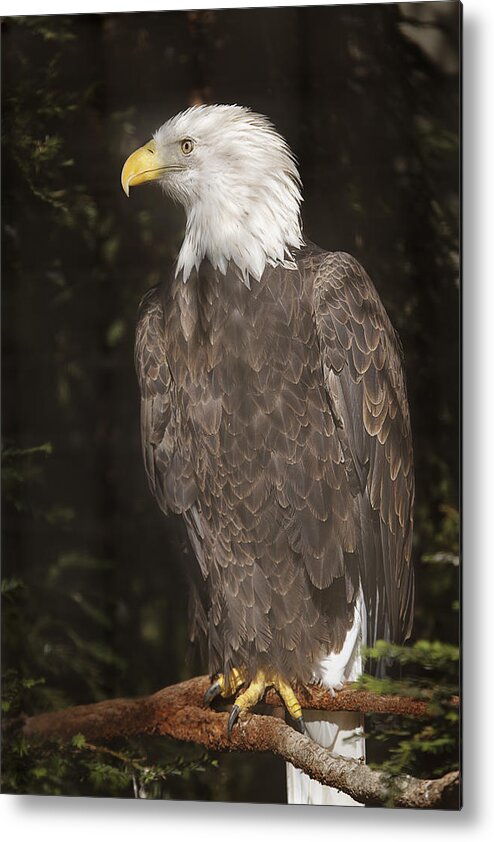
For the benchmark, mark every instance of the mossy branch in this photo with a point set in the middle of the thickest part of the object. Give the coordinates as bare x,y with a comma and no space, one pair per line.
178,712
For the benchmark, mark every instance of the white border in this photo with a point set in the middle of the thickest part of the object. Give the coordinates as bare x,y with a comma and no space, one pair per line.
53,819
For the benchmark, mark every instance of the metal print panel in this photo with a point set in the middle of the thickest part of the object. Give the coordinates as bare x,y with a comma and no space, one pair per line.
234,576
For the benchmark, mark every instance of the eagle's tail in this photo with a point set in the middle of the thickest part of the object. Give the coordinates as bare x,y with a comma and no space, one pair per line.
340,731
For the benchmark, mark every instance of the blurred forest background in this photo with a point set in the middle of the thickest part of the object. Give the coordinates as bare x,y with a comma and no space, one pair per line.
93,590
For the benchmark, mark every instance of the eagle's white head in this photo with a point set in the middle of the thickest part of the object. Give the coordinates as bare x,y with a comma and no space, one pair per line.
238,182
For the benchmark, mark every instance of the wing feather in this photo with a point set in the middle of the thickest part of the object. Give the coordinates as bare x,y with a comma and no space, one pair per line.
367,394
168,469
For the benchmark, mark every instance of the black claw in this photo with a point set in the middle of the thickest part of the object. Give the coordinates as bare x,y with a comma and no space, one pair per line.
299,725
211,693
232,720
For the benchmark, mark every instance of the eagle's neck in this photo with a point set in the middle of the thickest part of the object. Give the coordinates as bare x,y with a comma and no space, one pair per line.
251,226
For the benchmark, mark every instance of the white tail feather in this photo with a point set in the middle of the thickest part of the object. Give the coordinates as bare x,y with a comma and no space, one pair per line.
341,732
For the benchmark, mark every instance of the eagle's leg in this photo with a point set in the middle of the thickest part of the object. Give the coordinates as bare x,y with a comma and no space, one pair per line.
292,704
255,691
225,686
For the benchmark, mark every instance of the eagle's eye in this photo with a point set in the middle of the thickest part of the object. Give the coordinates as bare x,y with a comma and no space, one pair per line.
187,146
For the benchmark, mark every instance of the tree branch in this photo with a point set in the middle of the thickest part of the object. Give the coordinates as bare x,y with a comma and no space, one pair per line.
177,712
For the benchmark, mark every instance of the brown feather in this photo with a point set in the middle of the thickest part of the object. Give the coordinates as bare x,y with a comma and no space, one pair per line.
275,420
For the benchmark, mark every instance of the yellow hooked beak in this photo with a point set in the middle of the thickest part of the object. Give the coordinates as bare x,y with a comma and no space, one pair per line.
141,166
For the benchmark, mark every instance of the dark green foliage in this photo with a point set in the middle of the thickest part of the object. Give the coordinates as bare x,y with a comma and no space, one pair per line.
94,593
68,648
426,747
150,768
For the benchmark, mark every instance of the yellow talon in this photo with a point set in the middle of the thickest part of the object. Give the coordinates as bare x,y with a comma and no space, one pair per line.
249,698
223,686
235,680
255,691
292,704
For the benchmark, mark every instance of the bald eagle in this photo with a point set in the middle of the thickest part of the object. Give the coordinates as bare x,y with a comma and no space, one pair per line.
275,420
